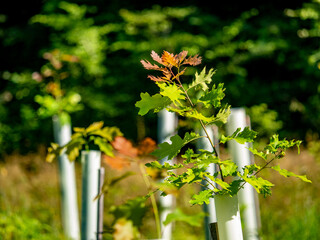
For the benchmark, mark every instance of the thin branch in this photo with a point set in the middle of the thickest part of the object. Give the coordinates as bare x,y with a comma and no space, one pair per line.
202,125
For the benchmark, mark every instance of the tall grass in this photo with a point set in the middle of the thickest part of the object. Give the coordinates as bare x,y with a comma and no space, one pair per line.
30,202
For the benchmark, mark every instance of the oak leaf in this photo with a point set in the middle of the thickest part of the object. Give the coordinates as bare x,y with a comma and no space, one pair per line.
146,146
156,57
149,66
169,59
193,61
124,146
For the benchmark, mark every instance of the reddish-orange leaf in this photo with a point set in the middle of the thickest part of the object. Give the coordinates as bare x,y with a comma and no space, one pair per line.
156,79
179,74
181,56
156,57
167,74
124,146
146,146
193,61
169,59
148,65
116,162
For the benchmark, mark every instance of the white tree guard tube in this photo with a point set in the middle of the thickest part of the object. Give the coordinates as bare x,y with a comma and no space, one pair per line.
167,124
91,162
242,157
203,143
228,216
69,205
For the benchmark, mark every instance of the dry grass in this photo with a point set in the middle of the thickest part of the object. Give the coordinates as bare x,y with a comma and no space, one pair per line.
30,185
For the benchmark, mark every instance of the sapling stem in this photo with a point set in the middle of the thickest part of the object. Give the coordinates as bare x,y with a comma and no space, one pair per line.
203,127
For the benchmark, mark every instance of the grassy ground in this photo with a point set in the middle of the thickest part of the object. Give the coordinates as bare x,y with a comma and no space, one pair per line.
29,201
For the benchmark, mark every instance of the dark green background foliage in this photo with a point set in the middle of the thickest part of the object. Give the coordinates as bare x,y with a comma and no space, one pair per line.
264,53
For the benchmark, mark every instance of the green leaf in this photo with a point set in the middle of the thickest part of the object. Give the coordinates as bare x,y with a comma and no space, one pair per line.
104,146
155,102
133,209
228,168
258,153
202,80
224,185
287,173
171,91
94,127
213,97
166,165
261,185
167,150
54,152
74,147
241,137
202,197
193,220
276,144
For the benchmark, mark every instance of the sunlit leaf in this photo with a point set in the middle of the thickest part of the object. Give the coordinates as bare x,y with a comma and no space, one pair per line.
169,59
54,152
202,80
74,147
94,126
156,103
213,98
287,173
202,197
171,91
104,146
246,135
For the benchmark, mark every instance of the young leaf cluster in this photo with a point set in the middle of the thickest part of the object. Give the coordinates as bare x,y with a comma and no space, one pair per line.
85,138
175,96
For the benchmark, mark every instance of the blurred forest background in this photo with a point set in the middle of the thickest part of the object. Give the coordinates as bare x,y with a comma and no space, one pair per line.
267,53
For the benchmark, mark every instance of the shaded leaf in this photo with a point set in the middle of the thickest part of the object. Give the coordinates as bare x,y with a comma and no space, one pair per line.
133,209
194,220
171,150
